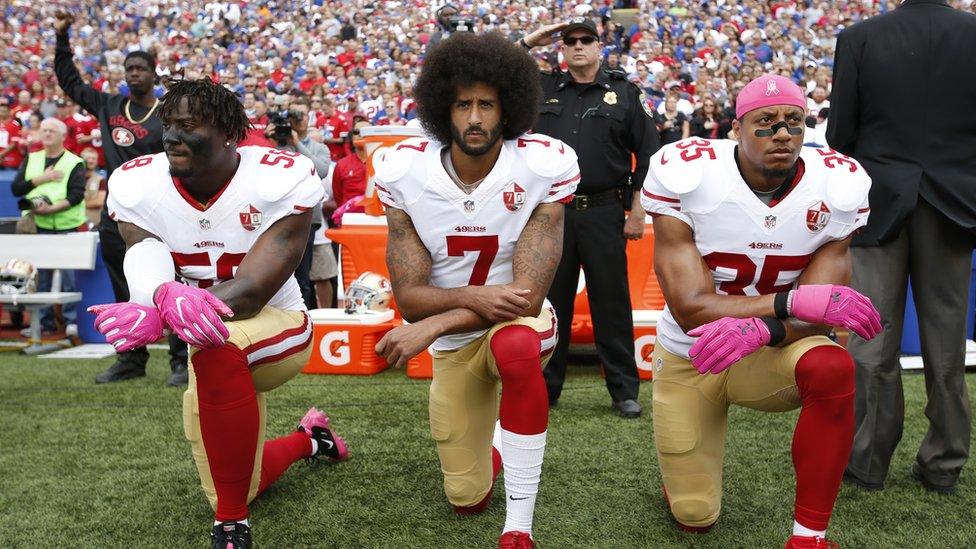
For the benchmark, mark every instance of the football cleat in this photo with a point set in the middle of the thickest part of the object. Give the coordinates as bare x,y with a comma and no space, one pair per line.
810,542
516,540
231,535
478,508
315,424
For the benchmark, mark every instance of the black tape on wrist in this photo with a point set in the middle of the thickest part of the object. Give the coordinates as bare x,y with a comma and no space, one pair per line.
777,330
780,305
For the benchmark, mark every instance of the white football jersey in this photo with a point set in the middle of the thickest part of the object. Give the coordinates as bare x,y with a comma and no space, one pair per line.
752,248
208,242
472,237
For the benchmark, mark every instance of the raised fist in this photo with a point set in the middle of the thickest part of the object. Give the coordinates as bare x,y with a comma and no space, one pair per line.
62,20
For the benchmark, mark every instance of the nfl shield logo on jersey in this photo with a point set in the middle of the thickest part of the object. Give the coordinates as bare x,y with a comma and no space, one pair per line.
468,206
770,222
513,196
250,218
817,217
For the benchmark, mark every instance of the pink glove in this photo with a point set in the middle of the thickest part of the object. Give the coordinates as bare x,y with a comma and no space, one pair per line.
724,342
345,207
837,306
193,314
127,325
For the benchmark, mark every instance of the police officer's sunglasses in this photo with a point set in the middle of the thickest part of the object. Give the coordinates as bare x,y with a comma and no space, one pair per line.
586,40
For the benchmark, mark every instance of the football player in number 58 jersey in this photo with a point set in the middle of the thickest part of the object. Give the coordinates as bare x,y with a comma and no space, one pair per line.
752,252
475,214
234,222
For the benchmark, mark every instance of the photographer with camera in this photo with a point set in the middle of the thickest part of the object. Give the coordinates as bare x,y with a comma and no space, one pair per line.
288,128
449,21
52,184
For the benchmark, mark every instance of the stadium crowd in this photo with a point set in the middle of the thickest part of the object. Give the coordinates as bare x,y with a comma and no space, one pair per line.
361,58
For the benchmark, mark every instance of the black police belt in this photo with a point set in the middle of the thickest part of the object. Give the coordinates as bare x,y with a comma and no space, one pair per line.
609,196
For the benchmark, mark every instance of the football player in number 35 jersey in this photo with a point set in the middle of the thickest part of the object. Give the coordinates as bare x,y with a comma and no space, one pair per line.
234,222
752,252
475,216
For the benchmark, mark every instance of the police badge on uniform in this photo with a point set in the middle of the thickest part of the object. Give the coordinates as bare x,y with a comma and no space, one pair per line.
610,98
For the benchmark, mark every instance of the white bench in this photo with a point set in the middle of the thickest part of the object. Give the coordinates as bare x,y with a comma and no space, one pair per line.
47,251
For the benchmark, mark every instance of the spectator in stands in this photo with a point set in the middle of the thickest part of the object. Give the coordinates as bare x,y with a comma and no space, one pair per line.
349,176
817,100
52,182
10,156
96,187
706,121
672,124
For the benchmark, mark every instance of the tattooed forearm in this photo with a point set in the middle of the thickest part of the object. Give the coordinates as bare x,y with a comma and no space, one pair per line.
538,251
406,256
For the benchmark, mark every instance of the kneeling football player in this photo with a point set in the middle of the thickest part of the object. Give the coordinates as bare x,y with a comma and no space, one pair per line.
475,214
752,251
234,222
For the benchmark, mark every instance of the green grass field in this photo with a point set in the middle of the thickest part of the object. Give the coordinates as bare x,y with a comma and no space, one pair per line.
106,466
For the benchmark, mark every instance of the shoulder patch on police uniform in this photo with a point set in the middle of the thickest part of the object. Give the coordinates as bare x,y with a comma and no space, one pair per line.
647,108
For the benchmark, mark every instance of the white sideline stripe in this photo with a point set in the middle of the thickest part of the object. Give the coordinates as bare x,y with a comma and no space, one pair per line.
293,341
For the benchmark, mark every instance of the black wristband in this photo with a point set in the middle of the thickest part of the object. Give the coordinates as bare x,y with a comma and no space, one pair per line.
777,330
780,305
524,44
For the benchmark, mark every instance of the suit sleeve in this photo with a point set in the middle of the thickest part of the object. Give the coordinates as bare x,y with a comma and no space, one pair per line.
70,80
645,139
842,122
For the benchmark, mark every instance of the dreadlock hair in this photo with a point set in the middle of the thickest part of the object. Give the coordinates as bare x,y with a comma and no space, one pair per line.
465,59
209,102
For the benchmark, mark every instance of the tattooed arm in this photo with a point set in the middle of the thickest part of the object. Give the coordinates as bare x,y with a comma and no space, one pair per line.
409,263
537,254
266,267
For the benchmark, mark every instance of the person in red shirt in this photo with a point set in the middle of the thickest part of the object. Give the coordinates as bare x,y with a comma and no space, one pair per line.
335,129
24,108
10,155
89,135
66,112
349,174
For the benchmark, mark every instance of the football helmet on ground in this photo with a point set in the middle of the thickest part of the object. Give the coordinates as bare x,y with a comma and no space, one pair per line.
369,292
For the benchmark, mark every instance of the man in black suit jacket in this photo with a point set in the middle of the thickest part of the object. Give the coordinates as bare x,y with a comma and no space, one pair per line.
904,105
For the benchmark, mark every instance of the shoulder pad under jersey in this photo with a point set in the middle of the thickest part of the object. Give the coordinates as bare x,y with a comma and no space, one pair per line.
545,156
274,179
676,174
133,181
394,162
846,183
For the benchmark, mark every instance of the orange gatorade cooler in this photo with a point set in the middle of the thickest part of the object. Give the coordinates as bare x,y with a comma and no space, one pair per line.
343,343
645,336
377,139
421,366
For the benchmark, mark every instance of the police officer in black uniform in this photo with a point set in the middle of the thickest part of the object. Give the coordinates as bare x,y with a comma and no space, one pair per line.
606,120
130,128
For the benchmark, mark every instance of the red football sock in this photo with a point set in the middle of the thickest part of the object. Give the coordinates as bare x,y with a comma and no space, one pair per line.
280,453
824,433
228,424
525,402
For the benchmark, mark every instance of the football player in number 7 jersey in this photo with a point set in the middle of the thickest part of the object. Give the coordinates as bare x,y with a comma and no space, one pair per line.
234,222
475,215
752,251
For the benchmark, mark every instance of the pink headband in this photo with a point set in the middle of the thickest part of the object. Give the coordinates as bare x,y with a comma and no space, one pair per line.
766,90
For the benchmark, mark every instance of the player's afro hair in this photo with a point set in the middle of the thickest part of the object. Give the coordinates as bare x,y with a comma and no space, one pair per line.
465,59
209,102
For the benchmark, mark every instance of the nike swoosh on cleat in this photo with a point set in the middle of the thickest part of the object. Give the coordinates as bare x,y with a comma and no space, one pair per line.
329,442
